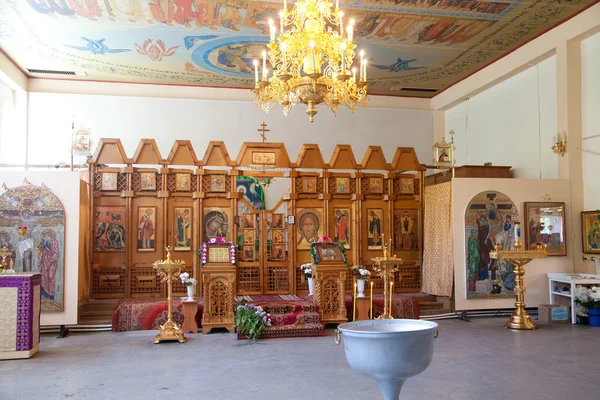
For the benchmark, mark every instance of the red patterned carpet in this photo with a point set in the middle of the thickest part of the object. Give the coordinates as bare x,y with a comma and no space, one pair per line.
147,314
293,315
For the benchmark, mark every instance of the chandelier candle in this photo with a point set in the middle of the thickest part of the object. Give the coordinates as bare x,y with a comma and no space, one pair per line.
311,55
256,71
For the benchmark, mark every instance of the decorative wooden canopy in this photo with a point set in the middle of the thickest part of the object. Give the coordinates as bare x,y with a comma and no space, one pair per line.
310,157
147,153
110,151
255,154
343,158
182,153
216,155
374,159
406,159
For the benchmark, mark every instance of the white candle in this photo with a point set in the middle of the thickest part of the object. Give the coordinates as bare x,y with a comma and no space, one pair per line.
337,4
341,14
353,73
264,66
285,5
283,48
312,49
256,70
362,55
272,29
517,231
343,57
365,73
281,24
351,30
265,74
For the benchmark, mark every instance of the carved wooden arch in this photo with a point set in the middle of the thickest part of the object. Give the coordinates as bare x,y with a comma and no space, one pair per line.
216,155
405,159
310,157
343,158
147,152
245,156
110,151
182,153
374,159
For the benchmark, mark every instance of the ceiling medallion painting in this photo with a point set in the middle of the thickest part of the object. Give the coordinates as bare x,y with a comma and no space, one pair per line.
427,45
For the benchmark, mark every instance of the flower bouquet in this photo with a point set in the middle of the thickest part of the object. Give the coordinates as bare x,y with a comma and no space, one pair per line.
189,284
251,321
589,298
361,274
186,280
307,270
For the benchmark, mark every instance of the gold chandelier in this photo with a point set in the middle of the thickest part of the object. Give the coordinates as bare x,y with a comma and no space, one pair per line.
312,61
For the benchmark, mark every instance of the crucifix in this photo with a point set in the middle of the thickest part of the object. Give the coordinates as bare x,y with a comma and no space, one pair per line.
263,130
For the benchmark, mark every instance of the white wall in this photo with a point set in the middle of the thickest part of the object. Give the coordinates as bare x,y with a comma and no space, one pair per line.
511,124
65,185
590,92
519,191
166,120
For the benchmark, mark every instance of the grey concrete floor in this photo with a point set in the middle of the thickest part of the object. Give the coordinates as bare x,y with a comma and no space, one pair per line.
475,360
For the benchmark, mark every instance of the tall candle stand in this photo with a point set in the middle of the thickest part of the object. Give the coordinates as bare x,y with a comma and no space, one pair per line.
169,270
386,266
519,318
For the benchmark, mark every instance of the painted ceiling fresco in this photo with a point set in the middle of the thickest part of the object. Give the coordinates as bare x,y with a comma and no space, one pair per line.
427,44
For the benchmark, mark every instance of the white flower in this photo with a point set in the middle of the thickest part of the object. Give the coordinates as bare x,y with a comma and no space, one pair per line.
581,294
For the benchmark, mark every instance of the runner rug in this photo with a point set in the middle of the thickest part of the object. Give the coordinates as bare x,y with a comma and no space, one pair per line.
148,314
293,316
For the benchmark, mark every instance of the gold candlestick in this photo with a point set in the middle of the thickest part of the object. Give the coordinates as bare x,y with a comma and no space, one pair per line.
4,252
169,270
354,304
519,318
371,307
386,266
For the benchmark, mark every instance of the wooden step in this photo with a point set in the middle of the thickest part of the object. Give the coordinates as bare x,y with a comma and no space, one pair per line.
100,305
435,311
430,305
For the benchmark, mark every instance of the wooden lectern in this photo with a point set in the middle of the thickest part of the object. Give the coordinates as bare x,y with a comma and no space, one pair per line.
218,287
329,277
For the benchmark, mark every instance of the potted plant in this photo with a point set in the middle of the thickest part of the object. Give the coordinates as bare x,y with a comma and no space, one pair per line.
251,321
189,284
361,274
307,271
589,297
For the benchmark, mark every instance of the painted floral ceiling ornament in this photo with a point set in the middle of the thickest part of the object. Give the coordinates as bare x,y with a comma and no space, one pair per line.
155,51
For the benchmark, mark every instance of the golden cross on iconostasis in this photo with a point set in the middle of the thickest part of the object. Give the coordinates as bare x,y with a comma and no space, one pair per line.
263,130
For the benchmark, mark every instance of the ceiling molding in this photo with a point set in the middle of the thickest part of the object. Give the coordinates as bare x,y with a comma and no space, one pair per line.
66,86
11,74
577,28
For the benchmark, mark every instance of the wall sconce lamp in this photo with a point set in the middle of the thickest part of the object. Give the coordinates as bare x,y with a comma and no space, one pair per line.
559,146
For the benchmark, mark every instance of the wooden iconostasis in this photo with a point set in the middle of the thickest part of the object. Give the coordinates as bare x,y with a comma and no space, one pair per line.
142,204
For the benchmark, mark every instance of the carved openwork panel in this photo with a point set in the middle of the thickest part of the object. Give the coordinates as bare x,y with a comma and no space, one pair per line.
248,279
331,296
218,298
145,283
301,284
108,282
277,279
122,182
